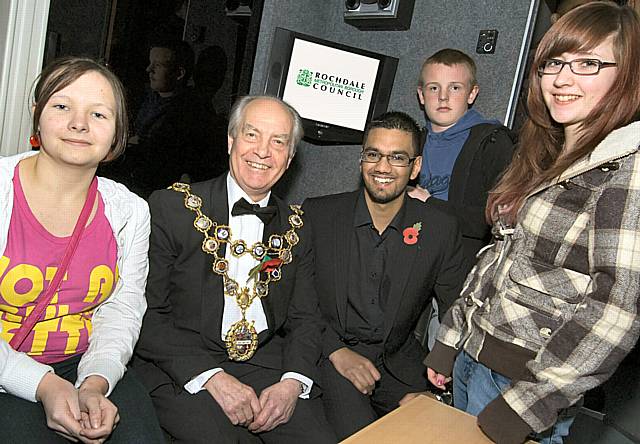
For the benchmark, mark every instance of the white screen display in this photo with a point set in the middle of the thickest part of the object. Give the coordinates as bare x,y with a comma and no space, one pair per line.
330,85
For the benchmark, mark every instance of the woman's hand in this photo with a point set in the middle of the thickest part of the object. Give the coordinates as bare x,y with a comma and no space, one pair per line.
59,400
99,415
437,379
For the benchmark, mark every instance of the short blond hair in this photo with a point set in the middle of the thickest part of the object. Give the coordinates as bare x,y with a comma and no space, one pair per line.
450,57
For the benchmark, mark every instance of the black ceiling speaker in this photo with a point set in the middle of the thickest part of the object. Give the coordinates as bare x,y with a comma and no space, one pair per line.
351,5
379,15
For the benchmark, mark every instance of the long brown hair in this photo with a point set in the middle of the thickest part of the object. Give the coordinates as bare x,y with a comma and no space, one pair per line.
63,72
537,159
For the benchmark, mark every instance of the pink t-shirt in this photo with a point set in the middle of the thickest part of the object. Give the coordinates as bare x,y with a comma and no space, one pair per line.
27,266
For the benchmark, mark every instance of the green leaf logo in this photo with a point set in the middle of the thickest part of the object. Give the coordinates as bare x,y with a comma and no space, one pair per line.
305,77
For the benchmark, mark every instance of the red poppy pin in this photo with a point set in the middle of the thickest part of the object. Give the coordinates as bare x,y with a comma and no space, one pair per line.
411,233
267,265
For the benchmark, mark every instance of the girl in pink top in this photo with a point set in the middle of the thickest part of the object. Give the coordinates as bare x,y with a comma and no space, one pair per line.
61,381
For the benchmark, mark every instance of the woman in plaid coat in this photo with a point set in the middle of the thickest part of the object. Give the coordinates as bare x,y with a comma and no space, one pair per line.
550,309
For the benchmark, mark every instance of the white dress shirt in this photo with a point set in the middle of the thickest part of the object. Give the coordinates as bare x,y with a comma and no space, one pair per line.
249,228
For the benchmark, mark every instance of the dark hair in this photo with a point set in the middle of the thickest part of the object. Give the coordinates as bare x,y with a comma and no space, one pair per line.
538,159
64,71
236,116
183,55
400,121
450,57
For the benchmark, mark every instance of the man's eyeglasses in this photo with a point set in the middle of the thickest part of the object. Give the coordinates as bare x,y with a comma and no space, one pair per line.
581,67
394,159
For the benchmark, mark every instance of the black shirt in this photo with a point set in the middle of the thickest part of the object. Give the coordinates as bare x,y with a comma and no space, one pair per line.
369,281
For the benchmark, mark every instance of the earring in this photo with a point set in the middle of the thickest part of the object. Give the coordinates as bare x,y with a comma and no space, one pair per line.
34,140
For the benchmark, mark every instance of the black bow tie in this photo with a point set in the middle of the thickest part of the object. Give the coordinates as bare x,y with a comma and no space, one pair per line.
264,213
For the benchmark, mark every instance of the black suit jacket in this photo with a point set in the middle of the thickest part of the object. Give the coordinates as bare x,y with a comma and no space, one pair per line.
429,267
181,332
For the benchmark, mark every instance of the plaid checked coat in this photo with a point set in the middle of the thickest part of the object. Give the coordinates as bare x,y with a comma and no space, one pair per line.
564,286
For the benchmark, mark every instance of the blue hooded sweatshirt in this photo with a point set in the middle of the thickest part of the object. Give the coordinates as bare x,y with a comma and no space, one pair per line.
441,151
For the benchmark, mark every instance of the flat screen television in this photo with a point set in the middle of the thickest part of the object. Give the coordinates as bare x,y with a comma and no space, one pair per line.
336,88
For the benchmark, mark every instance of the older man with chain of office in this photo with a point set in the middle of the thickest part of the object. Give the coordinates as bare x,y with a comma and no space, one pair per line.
229,343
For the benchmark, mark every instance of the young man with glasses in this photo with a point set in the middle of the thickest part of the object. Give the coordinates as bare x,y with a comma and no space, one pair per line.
380,257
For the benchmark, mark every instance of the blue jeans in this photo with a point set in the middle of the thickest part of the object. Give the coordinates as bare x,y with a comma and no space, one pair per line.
475,386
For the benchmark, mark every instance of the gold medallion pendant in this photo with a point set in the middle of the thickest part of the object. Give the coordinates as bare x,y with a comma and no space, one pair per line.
241,340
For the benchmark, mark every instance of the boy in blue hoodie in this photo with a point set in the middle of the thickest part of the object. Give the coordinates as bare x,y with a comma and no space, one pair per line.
464,153
463,156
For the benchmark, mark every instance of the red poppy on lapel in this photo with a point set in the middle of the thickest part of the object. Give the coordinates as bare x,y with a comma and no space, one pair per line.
411,233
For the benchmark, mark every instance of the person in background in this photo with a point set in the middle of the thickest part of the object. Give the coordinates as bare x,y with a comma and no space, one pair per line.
463,156
229,344
464,153
551,309
380,258
169,132
170,67
62,372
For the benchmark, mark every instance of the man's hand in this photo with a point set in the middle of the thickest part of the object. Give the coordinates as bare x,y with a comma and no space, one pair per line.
238,401
99,415
278,403
437,379
418,193
356,368
59,400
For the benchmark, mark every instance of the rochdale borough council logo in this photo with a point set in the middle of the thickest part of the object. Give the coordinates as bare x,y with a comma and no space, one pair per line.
305,77
331,84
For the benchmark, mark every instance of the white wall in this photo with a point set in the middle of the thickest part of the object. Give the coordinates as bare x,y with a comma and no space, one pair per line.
23,26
